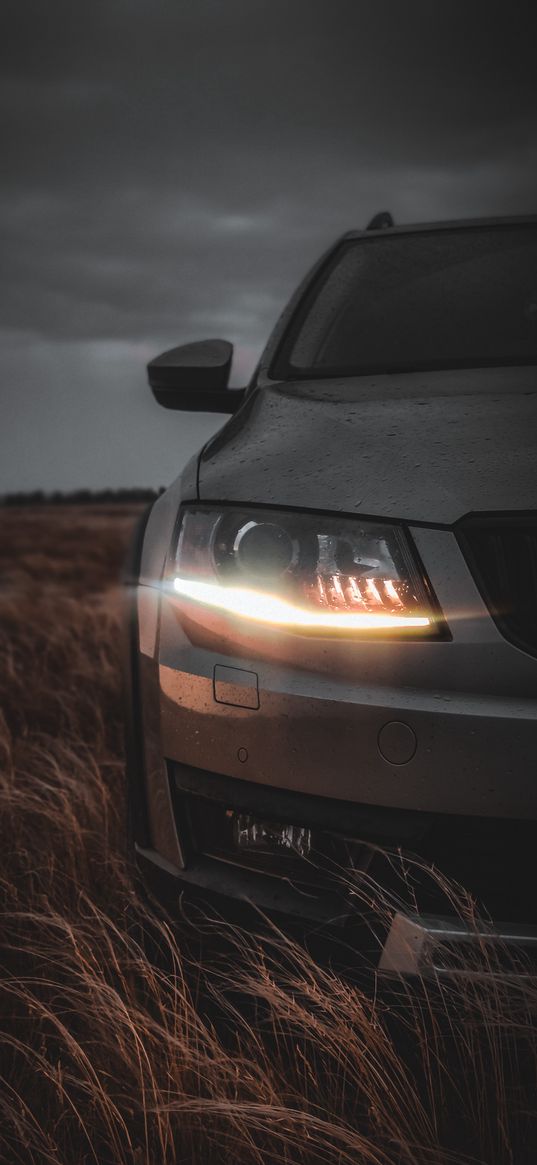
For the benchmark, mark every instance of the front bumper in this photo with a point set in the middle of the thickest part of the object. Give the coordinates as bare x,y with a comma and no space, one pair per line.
446,727
386,900
428,748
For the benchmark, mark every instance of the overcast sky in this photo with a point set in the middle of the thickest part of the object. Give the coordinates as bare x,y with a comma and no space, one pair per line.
176,165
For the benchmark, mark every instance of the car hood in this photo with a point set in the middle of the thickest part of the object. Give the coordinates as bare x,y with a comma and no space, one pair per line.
427,447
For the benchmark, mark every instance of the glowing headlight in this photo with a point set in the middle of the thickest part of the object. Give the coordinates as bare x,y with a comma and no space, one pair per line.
301,571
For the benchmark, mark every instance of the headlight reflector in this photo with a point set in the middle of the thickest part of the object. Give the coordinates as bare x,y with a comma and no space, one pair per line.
301,571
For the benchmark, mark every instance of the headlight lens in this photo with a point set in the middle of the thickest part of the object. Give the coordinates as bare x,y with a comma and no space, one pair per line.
305,572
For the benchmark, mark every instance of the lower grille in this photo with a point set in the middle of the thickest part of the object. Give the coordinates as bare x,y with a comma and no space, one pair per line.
367,854
501,552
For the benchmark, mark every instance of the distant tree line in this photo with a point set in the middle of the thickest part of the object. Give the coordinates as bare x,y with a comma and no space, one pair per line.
80,497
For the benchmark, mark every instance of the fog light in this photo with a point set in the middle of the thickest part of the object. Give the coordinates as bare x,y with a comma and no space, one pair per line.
270,837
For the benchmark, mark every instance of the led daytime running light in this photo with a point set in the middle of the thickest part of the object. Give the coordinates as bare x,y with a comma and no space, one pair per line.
264,608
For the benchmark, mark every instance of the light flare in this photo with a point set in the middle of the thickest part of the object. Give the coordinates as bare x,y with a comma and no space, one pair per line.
266,608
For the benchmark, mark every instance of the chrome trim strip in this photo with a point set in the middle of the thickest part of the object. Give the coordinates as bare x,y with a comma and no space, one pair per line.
414,946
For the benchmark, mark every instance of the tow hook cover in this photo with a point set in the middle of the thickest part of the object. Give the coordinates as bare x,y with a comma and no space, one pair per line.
234,685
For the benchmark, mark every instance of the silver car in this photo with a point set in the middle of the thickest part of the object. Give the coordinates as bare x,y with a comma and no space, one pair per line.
334,633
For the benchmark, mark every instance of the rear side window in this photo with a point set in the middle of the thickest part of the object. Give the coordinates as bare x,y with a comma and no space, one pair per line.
452,298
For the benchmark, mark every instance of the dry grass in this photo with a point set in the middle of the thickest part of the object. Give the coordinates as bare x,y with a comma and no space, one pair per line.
253,1054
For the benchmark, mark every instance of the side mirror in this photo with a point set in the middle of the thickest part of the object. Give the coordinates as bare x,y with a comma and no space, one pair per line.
194,378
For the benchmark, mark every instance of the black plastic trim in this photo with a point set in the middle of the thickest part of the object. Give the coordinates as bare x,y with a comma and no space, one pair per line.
327,813
216,880
509,519
477,852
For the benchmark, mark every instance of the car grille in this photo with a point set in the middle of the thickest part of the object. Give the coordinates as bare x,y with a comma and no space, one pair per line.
502,555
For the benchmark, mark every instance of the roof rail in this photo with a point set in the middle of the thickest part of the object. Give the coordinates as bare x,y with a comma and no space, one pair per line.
381,221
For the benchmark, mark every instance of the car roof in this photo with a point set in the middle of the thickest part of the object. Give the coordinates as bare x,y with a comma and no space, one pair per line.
447,224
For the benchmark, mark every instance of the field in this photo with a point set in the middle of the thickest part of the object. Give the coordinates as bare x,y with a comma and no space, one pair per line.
128,1038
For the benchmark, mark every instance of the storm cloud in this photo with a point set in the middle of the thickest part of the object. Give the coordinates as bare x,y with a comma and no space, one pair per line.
174,167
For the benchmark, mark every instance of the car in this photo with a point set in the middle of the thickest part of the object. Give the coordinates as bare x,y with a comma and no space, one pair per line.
333,638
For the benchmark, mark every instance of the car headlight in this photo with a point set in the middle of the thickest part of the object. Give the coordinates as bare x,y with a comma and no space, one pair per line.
304,572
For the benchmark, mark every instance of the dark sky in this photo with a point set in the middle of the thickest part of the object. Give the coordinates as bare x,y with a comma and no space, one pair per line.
176,165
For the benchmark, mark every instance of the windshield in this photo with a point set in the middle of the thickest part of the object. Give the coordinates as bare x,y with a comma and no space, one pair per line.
451,298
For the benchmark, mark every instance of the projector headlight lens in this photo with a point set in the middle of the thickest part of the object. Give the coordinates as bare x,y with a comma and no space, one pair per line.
261,550
304,572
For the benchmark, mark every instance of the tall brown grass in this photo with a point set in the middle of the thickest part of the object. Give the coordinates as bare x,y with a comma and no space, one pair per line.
127,1037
